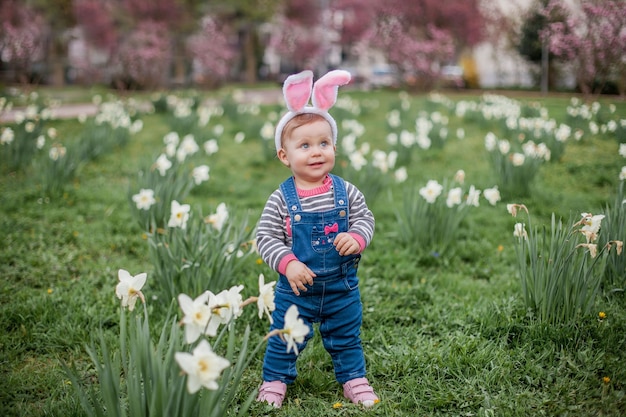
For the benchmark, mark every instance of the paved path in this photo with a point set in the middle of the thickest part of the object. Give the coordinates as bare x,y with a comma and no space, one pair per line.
69,111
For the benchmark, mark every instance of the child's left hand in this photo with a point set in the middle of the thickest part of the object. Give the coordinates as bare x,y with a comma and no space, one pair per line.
346,244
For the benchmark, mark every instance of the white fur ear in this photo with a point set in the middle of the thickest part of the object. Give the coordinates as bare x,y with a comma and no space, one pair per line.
297,90
325,89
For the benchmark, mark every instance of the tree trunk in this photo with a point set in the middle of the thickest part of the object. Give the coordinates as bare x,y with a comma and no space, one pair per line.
250,62
56,58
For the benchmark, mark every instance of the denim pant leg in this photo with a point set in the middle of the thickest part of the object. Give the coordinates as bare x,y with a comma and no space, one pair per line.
340,329
278,365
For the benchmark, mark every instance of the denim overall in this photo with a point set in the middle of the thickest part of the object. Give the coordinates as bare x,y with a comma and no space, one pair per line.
333,300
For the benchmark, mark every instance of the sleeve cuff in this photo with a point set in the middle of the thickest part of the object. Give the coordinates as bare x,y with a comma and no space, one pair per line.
359,239
282,265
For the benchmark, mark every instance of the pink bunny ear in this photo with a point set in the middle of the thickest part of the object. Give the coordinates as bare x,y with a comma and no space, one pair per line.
325,89
297,90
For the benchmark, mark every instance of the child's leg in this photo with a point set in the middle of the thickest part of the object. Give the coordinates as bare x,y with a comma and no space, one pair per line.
278,364
340,329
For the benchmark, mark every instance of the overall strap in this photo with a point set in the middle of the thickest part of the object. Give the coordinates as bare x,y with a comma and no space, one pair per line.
288,188
341,194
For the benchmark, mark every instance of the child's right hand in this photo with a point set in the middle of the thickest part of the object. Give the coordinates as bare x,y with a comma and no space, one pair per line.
299,275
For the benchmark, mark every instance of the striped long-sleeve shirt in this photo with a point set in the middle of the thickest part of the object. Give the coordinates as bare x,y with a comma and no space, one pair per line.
274,234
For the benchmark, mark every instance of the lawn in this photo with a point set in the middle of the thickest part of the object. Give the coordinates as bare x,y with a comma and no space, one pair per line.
445,334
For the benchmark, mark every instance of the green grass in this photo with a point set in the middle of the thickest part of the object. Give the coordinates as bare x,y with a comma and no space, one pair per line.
441,337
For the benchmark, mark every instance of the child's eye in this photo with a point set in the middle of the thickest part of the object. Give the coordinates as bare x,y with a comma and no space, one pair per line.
305,145
324,144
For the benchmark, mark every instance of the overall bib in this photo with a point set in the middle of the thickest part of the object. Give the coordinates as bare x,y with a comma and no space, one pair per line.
333,301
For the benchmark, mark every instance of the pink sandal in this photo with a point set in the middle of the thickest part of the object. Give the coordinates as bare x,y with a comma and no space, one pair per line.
359,391
272,393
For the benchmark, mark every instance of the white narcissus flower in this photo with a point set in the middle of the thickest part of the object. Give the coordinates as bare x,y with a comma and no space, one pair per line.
129,288
454,197
295,330
504,146
211,146
472,197
517,159
265,302
592,247
162,164
622,174
144,199
226,305
520,231
203,367
591,225
492,195
401,175
7,136
200,174
459,176
622,149
431,191
267,131
219,218
197,315
179,215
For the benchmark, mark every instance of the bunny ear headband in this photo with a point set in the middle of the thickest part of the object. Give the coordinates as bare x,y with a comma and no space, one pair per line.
298,88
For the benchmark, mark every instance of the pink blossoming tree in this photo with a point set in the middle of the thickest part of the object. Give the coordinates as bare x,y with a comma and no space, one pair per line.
211,52
594,40
22,39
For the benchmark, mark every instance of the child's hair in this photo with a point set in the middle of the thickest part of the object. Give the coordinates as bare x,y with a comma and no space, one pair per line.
297,121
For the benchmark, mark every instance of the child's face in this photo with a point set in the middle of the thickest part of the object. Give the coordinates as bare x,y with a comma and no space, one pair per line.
309,153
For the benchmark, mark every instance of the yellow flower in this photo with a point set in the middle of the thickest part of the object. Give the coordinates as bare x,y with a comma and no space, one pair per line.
500,248
606,379
259,261
50,290
602,315
337,405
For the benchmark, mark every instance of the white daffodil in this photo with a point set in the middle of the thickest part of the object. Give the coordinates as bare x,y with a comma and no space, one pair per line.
57,151
295,330
592,247
401,175
622,149
211,146
162,164
591,225
226,305
472,197
517,159
200,174
179,215
454,197
265,302
129,288
171,138
431,191
459,176
520,231
197,315
7,136
492,195
203,367
219,218
144,199
622,174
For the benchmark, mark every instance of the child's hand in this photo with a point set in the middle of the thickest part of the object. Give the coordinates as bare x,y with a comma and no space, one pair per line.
346,244
299,275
